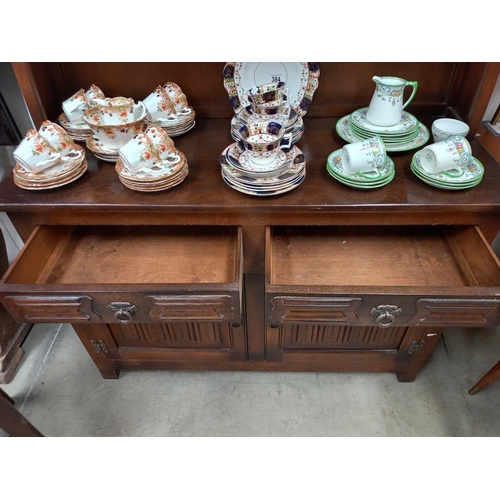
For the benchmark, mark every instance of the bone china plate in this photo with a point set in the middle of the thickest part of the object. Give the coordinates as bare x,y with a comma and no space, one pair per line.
301,78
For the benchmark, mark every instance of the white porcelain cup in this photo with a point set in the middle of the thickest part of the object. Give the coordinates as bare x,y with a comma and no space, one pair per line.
364,156
139,153
164,144
449,155
160,107
446,127
74,106
35,153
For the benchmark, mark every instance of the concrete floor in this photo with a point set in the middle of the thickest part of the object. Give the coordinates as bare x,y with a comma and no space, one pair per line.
61,392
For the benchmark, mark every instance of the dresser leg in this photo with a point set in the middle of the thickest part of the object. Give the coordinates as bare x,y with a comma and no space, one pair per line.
13,422
487,379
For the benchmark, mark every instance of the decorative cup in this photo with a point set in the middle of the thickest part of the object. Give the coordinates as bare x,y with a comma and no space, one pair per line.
363,156
163,143
266,93
264,140
75,106
177,97
446,127
448,156
35,153
139,153
117,112
59,139
160,107
94,92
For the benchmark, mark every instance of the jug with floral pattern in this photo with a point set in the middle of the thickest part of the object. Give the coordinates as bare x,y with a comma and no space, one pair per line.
386,106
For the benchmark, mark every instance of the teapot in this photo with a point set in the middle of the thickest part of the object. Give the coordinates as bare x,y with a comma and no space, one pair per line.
386,106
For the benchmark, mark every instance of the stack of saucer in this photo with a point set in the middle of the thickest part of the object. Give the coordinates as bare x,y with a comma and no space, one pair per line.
59,174
158,178
100,150
408,134
379,177
77,131
472,175
244,176
181,123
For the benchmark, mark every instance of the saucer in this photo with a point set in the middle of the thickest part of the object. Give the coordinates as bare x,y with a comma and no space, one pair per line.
247,162
407,123
345,131
334,164
100,151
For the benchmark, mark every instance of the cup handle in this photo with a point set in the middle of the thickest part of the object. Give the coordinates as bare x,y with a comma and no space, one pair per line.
362,174
414,91
449,174
51,160
78,154
287,136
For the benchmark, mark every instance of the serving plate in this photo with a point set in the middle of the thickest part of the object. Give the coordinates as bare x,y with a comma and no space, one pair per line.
301,78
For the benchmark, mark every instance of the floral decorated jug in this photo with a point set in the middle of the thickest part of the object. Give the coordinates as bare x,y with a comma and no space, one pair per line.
386,106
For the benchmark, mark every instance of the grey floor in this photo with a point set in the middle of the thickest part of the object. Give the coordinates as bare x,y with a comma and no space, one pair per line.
61,392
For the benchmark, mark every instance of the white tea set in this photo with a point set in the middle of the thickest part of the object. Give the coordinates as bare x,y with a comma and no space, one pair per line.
48,158
264,160
150,162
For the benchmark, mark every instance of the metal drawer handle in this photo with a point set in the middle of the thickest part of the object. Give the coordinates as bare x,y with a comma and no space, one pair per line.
385,314
124,311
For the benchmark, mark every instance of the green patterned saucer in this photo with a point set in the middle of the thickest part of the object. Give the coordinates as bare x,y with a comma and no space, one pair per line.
334,163
362,185
439,185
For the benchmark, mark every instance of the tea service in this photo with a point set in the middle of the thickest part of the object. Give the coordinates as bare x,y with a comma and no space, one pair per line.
48,158
362,164
151,162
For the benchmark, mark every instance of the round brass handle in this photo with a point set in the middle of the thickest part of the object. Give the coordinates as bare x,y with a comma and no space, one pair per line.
123,316
385,319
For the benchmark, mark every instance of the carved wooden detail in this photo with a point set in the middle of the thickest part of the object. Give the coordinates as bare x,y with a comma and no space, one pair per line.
460,312
341,337
48,309
195,307
195,335
314,309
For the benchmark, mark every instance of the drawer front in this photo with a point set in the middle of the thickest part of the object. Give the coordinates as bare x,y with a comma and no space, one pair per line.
382,311
124,308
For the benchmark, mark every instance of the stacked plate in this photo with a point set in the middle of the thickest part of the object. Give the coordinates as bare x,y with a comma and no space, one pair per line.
361,180
100,151
57,175
471,175
182,123
408,134
239,173
293,123
165,177
78,132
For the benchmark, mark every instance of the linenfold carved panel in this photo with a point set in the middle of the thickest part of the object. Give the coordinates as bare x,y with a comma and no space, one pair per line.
180,335
48,309
314,309
338,337
193,307
460,312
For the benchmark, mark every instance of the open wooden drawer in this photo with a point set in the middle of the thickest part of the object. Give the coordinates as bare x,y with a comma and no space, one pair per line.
127,274
380,276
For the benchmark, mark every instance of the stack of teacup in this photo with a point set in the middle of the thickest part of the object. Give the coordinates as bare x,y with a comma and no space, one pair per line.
73,108
269,102
263,161
48,158
362,164
150,162
448,163
167,107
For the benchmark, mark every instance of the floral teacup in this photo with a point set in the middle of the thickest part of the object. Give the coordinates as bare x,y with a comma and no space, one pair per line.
35,153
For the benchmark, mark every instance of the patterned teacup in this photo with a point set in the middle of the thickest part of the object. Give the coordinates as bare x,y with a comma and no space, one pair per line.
164,144
448,156
363,156
139,153
264,140
35,153
160,107
74,106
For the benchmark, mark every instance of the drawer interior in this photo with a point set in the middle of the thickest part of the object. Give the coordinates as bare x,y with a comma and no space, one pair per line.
427,256
128,255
